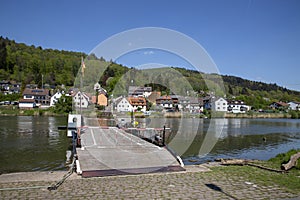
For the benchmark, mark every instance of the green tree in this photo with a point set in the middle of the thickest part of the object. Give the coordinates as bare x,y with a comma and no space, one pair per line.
63,105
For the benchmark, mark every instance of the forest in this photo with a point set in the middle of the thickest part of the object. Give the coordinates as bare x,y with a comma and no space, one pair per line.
29,64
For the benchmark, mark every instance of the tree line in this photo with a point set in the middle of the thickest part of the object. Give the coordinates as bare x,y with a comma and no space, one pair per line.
30,64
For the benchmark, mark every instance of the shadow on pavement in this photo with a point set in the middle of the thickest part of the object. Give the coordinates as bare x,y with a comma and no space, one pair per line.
218,189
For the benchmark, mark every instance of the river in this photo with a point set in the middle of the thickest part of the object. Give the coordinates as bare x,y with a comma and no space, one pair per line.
31,143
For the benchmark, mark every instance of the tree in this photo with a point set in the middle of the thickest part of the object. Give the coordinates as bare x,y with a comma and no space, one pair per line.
63,105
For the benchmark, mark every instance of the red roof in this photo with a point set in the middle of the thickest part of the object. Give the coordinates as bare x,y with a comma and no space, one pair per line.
137,101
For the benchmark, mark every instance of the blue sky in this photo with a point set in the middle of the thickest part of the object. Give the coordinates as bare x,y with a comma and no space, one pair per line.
254,39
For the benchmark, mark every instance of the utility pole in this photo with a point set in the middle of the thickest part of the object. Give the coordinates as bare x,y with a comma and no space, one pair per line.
80,90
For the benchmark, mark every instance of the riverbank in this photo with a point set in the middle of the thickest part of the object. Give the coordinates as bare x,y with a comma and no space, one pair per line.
207,181
257,115
15,111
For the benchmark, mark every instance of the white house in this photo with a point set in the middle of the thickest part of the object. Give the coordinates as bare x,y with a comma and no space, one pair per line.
130,104
81,100
294,105
55,98
219,105
237,106
124,106
190,104
27,104
139,91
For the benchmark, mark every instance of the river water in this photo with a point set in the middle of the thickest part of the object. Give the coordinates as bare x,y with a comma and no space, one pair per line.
200,140
31,143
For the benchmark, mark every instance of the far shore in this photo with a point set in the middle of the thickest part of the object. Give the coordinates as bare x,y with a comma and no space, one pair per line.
43,112
257,115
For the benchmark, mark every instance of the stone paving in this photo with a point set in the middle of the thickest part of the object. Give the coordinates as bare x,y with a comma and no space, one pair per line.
192,184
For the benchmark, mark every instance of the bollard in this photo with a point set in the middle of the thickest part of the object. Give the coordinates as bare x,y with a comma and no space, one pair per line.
74,141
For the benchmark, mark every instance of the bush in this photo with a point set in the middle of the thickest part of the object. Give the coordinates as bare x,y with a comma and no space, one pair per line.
294,114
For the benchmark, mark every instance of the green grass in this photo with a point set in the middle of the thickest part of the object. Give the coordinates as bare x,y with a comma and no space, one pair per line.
289,181
283,158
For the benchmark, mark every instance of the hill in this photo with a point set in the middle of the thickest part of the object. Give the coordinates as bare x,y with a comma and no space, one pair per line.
27,64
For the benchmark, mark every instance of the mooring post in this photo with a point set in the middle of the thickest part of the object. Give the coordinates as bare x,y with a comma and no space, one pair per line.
74,142
132,119
164,136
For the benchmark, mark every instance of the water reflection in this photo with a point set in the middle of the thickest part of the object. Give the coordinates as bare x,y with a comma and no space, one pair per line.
234,138
30,143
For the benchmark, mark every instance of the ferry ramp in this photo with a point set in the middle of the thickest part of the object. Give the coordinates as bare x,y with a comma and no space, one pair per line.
108,151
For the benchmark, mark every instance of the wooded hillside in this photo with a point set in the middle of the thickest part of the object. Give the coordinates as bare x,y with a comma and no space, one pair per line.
27,64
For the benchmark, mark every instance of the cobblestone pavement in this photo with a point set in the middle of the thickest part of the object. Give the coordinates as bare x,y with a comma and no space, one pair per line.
184,185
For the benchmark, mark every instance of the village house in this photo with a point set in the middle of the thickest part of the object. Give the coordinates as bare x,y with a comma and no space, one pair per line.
139,91
153,96
80,100
27,103
279,105
190,104
102,99
195,105
207,102
101,96
41,96
168,102
130,104
184,103
10,87
219,104
34,98
55,97
237,106
294,105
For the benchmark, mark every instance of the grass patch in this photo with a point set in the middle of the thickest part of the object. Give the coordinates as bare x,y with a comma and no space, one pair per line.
283,158
289,182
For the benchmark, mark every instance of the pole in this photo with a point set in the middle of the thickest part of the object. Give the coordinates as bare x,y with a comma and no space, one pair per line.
74,142
82,74
132,120
164,136
80,94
